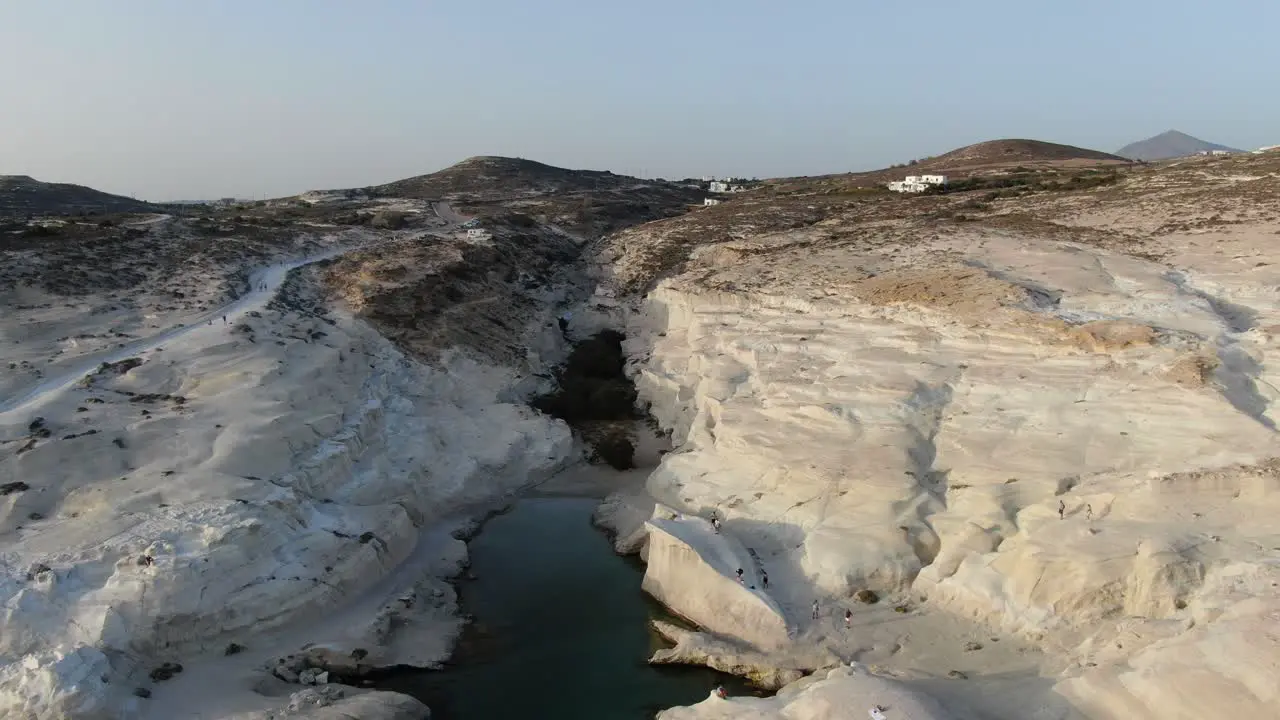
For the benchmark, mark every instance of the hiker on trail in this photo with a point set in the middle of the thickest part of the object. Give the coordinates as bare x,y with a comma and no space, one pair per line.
764,579
1062,508
740,576
715,524
848,618
815,609
1088,512
564,324
720,693
224,319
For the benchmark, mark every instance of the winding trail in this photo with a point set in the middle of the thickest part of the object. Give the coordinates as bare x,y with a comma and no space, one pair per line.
271,276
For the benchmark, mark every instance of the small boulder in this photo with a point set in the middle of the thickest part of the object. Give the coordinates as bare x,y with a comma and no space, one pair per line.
142,692
166,671
233,649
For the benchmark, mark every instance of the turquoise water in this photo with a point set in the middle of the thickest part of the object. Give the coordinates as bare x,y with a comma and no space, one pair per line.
561,629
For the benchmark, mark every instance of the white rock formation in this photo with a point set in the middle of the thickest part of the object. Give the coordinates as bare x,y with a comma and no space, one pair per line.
335,703
910,420
692,569
766,671
237,479
838,694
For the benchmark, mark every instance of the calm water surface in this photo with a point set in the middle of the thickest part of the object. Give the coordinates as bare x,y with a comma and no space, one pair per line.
561,629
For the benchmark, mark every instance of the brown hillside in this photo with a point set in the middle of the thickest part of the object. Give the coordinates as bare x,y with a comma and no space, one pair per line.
21,195
994,152
589,202
985,158
491,178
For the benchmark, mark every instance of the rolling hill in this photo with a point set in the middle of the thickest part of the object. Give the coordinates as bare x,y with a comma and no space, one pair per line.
1169,144
998,152
22,195
984,158
500,178
589,202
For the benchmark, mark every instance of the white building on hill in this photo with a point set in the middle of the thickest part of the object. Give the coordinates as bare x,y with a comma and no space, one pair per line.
917,183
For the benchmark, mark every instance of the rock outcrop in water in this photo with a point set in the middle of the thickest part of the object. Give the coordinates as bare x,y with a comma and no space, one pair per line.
332,703
837,694
692,569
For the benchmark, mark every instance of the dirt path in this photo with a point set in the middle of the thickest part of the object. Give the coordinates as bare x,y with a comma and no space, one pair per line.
263,283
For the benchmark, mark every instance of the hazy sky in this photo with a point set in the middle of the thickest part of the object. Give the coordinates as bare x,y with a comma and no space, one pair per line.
176,99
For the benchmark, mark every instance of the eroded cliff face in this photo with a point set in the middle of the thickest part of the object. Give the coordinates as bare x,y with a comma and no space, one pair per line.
1062,429
247,476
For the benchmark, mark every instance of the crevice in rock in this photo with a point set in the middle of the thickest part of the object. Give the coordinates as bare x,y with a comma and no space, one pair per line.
926,408
596,398
1237,318
1237,376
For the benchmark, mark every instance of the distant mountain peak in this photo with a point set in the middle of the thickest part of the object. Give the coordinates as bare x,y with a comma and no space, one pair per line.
1169,144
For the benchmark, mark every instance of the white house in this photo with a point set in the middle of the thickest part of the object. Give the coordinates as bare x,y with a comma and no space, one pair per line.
710,201
717,186
477,233
917,183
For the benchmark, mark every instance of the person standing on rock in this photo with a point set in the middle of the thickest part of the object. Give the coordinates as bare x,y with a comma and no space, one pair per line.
815,609
1062,509
564,324
740,576
1088,512
224,319
764,580
715,524
848,619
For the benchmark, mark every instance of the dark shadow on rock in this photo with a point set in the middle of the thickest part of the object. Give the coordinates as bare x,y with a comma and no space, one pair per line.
596,398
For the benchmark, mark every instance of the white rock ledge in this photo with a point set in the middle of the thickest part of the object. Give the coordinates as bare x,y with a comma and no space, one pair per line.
692,569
